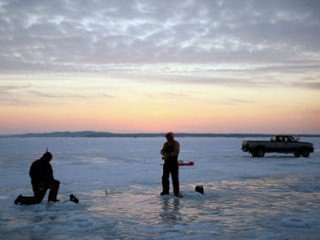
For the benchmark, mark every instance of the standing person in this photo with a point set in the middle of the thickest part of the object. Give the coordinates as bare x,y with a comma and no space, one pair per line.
170,153
42,179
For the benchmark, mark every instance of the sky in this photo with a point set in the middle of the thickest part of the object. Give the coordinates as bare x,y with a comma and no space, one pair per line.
202,66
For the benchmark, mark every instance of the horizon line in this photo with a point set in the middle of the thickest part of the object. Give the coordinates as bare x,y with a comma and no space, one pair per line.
88,133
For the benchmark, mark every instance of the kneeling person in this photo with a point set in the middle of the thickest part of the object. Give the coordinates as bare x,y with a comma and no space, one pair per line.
42,179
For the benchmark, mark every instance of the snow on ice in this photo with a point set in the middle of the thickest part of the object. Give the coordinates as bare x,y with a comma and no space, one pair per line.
275,197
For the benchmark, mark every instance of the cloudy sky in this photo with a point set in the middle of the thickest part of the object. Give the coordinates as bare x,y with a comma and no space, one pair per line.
153,66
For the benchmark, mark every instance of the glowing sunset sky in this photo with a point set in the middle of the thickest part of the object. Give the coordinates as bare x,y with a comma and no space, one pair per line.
153,66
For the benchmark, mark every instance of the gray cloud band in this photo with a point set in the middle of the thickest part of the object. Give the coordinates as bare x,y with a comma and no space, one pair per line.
47,36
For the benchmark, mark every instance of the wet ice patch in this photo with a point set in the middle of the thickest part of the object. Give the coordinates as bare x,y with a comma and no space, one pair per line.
294,222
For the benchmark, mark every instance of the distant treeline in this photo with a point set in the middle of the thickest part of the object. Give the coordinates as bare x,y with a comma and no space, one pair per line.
92,134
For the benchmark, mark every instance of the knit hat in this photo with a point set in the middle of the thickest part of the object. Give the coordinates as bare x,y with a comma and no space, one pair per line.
47,156
170,134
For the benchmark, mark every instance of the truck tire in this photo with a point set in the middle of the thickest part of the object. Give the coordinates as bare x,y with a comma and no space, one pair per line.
305,153
258,152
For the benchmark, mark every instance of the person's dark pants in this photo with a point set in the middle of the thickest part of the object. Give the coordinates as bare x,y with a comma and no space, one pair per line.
173,168
40,190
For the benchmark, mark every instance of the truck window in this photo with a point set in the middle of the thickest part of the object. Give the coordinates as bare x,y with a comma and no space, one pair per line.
291,139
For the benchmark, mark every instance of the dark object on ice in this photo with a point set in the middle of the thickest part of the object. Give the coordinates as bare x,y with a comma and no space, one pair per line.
164,193
73,198
170,152
182,163
42,179
199,189
278,144
179,195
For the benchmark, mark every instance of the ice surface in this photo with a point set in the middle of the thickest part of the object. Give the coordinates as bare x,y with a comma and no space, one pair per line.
275,197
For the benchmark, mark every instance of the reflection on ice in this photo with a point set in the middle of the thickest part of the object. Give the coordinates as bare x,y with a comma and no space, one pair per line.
170,210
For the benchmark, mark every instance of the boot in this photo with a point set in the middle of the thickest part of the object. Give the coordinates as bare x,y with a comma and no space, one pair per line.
18,199
164,193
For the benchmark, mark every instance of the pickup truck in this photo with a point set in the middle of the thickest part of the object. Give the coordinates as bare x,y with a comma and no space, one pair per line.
278,144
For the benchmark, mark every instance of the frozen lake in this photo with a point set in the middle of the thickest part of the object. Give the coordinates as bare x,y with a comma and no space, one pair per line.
275,197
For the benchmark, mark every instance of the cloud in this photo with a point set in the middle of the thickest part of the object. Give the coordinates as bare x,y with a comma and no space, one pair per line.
187,42
45,94
235,101
61,35
11,95
27,94
307,85
9,88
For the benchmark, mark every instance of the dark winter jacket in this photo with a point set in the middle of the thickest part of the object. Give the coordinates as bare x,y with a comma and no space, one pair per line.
171,149
41,171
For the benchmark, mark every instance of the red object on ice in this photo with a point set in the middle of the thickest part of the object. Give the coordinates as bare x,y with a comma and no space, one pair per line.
186,163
